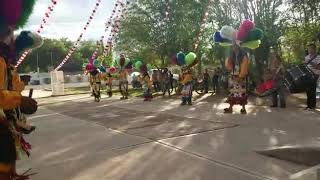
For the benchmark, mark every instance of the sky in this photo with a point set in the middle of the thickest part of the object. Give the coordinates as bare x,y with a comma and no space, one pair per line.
69,17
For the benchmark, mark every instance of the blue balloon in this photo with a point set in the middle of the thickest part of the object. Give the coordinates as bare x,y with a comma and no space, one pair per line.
181,58
218,38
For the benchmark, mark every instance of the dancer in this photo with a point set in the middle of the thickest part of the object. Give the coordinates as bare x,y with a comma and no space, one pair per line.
11,141
147,87
186,82
166,82
237,65
95,82
109,80
277,70
123,83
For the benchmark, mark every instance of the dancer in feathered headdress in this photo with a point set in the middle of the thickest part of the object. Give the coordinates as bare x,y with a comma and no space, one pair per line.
13,15
186,62
237,63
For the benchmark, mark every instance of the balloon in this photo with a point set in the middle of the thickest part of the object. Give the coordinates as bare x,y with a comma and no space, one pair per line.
174,59
255,34
96,63
129,65
227,32
86,61
102,69
244,29
149,67
181,58
225,44
127,61
190,57
251,44
112,70
138,65
217,37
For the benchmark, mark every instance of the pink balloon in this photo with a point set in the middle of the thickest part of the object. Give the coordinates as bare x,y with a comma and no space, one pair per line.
244,29
174,59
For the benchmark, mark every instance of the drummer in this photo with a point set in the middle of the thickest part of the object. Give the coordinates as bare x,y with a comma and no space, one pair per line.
313,62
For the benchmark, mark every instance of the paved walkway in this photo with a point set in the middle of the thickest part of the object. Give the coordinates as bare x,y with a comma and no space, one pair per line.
78,139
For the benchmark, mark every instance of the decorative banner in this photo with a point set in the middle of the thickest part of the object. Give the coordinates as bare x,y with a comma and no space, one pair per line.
108,24
167,10
115,29
202,26
97,4
43,23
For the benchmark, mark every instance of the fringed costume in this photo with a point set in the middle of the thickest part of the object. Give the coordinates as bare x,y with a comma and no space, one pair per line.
123,83
147,87
237,65
186,92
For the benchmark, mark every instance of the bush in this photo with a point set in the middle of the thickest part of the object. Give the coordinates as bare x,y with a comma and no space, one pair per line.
67,79
79,78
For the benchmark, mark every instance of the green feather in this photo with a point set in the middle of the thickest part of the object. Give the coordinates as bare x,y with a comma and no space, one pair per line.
27,8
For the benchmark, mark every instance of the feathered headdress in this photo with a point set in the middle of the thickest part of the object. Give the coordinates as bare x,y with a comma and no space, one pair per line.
15,13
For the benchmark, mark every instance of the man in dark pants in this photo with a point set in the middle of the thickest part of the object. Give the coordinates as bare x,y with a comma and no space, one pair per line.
313,62
206,79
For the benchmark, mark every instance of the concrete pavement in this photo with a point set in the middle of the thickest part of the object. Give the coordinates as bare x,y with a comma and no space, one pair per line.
78,139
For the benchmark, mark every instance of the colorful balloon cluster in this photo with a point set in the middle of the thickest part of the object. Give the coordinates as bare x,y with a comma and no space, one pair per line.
142,67
181,59
248,35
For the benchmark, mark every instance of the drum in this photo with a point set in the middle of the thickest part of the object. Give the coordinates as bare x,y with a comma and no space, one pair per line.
297,78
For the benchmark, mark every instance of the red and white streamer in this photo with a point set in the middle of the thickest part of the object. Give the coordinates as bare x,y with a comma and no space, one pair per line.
115,30
107,24
70,52
44,22
202,26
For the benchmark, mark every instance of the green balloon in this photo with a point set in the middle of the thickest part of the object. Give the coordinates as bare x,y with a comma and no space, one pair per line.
190,57
138,65
251,44
127,61
225,44
84,65
254,34
149,67
86,61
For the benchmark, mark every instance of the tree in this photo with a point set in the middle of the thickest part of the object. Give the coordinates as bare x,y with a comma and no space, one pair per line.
146,28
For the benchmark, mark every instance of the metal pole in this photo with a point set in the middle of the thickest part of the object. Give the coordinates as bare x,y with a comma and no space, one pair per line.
51,59
38,69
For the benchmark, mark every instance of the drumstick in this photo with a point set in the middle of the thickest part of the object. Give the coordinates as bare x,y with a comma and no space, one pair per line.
31,93
26,171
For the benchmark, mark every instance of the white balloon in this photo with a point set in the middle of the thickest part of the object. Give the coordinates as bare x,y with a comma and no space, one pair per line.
227,32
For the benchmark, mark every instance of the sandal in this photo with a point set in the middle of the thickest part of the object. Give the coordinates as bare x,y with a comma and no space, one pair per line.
243,111
228,110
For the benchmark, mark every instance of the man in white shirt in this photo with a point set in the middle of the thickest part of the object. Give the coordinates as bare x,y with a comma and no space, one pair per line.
313,62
